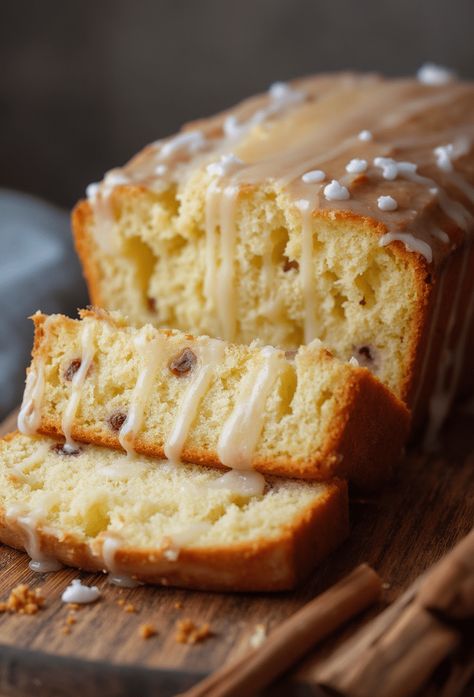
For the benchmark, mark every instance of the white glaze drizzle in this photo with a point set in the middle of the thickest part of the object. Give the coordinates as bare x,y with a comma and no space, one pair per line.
37,456
29,417
210,354
77,383
117,577
175,541
210,256
411,243
150,353
242,429
124,467
241,482
77,593
225,286
28,521
306,271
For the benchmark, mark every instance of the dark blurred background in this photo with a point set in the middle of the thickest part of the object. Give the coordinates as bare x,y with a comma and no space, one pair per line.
83,85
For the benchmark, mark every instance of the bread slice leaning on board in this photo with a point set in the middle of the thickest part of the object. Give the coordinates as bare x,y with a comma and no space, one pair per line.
165,393
153,521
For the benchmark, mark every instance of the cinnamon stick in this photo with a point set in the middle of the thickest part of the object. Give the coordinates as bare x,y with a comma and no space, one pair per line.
291,640
395,655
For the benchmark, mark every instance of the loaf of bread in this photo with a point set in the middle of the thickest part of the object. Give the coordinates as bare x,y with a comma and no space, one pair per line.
338,207
152,521
165,393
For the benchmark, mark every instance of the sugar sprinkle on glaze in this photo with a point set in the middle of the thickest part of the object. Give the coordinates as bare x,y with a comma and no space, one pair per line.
336,191
356,166
387,203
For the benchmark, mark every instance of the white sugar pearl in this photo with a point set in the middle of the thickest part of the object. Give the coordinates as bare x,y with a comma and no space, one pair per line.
227,164
365,136
356,166
315,175
336,192
160,170
431,74
387,203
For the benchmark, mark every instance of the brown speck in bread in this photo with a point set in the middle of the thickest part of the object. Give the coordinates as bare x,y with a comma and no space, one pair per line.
367,356
23,601
291,354
147,630
183,363
151,304
72,369
289,264
60,450
117,420
362,302
187,632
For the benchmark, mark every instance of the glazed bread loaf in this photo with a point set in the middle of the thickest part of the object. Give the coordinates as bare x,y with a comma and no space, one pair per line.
166,393
338,207
152,521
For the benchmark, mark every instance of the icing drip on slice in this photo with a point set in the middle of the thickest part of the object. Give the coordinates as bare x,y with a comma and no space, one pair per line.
150,353
306,272
210,354
241,432
28,522
210,260
110,547
432,74
412,243
37,456
225,299
241,482
174,542
30,412
98,196
77,384
124,468
29,416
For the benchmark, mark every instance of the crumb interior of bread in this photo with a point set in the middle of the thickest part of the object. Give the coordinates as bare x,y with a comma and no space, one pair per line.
154,499
300,410
158,275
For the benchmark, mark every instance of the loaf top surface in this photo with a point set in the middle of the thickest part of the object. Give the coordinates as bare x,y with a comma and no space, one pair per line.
394,151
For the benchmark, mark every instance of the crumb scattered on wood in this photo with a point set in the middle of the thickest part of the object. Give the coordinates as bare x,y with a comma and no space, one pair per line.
147,630
121,602
74,606
187,632
178,605
71,619
129,607
23,601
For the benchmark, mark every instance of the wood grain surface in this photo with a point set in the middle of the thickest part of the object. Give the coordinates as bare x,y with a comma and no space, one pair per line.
427,507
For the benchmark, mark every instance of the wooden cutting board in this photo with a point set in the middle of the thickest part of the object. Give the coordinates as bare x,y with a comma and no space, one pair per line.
427,507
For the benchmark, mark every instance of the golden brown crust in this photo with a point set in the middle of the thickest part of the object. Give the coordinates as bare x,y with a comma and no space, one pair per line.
264,565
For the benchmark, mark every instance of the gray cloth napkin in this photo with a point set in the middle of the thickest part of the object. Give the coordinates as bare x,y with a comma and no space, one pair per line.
38,271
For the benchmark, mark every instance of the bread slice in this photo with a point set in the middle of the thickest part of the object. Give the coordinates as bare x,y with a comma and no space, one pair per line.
155,522
234,228
165,393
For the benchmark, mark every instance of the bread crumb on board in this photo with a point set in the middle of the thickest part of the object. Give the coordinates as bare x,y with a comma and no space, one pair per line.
147,630
187,632
23,601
